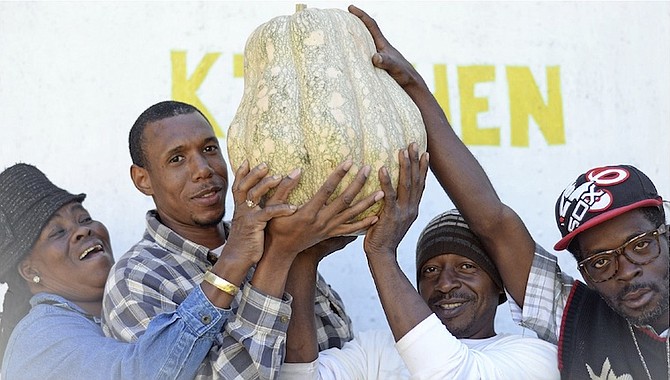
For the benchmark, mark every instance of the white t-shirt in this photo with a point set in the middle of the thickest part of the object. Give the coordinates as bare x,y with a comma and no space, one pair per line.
429,351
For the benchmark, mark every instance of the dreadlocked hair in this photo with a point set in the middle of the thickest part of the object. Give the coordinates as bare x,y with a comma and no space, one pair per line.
14,308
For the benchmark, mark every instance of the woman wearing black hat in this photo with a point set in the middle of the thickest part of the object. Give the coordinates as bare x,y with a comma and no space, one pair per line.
55,259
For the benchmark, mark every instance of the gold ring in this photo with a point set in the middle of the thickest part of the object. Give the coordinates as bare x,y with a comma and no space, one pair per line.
251,203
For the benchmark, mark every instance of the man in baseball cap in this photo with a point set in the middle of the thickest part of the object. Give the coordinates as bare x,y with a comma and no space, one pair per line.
611,219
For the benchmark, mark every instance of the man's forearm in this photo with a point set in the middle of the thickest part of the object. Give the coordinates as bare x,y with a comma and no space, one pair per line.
459,173
271,274
301,341
403,306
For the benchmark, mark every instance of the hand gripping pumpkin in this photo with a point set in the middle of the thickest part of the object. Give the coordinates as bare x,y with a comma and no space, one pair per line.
312,99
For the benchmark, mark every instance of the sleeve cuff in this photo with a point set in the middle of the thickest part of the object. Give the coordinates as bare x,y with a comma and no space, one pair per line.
263,311
427,346
200,314
299,371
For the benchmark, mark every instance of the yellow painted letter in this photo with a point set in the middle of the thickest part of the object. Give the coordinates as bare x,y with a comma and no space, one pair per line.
468,77
238,66
525,100
184,89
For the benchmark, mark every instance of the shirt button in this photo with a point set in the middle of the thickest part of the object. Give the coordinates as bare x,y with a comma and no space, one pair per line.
283,319
206,319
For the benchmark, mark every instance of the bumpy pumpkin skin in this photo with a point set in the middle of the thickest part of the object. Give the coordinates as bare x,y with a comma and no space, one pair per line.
312,99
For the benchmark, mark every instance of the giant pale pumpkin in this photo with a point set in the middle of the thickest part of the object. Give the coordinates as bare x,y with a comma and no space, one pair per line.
312,99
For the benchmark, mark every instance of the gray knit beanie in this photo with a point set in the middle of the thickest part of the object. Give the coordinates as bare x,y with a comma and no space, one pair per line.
448,233
27,201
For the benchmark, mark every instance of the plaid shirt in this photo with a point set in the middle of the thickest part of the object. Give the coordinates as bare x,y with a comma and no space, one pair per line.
547,293
157,274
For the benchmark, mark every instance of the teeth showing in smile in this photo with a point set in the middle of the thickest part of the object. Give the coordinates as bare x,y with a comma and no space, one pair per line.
208,194
96,247
448,306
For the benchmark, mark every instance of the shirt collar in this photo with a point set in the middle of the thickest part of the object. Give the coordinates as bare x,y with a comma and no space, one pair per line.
174,242
62,302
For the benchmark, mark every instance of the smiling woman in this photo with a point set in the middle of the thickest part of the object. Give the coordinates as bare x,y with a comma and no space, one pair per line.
55,260
71,257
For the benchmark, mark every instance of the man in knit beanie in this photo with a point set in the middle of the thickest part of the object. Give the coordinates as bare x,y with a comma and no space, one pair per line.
612,323
448,232
443,331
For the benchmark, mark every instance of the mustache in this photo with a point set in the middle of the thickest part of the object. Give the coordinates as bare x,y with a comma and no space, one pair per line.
633,287
449,296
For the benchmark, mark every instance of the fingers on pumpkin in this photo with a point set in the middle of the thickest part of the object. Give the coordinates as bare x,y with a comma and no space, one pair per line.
385,182
286,185
378,61
368,201
259,190
240,173
279,209
346,199
348,214
355,228
370,24
357,184
244,182
329,187
405,173
415,165
243,169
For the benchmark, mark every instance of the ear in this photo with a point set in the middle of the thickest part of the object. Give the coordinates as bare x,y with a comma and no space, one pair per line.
27,270
141,179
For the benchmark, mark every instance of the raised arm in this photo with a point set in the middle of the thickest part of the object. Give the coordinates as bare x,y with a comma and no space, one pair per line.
149,282
403,306
301,340
499,228
246,240
381,241
285,237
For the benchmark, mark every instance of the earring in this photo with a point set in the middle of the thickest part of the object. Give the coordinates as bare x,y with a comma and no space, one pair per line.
36,279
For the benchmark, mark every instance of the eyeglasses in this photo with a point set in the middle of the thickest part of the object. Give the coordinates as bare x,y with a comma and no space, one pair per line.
639,250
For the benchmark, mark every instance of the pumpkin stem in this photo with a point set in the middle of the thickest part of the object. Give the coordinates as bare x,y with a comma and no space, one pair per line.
300,7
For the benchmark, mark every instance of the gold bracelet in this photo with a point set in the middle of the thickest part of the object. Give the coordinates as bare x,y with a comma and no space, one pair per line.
221,284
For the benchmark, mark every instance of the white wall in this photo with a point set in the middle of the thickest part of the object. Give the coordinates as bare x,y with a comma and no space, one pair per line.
74,77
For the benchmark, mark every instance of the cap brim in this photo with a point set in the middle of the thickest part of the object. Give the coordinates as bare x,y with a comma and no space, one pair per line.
565,242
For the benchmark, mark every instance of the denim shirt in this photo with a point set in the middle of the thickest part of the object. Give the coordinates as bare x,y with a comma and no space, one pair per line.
58,340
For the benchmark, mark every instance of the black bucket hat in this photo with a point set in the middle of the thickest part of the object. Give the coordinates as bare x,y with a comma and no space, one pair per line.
27,201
